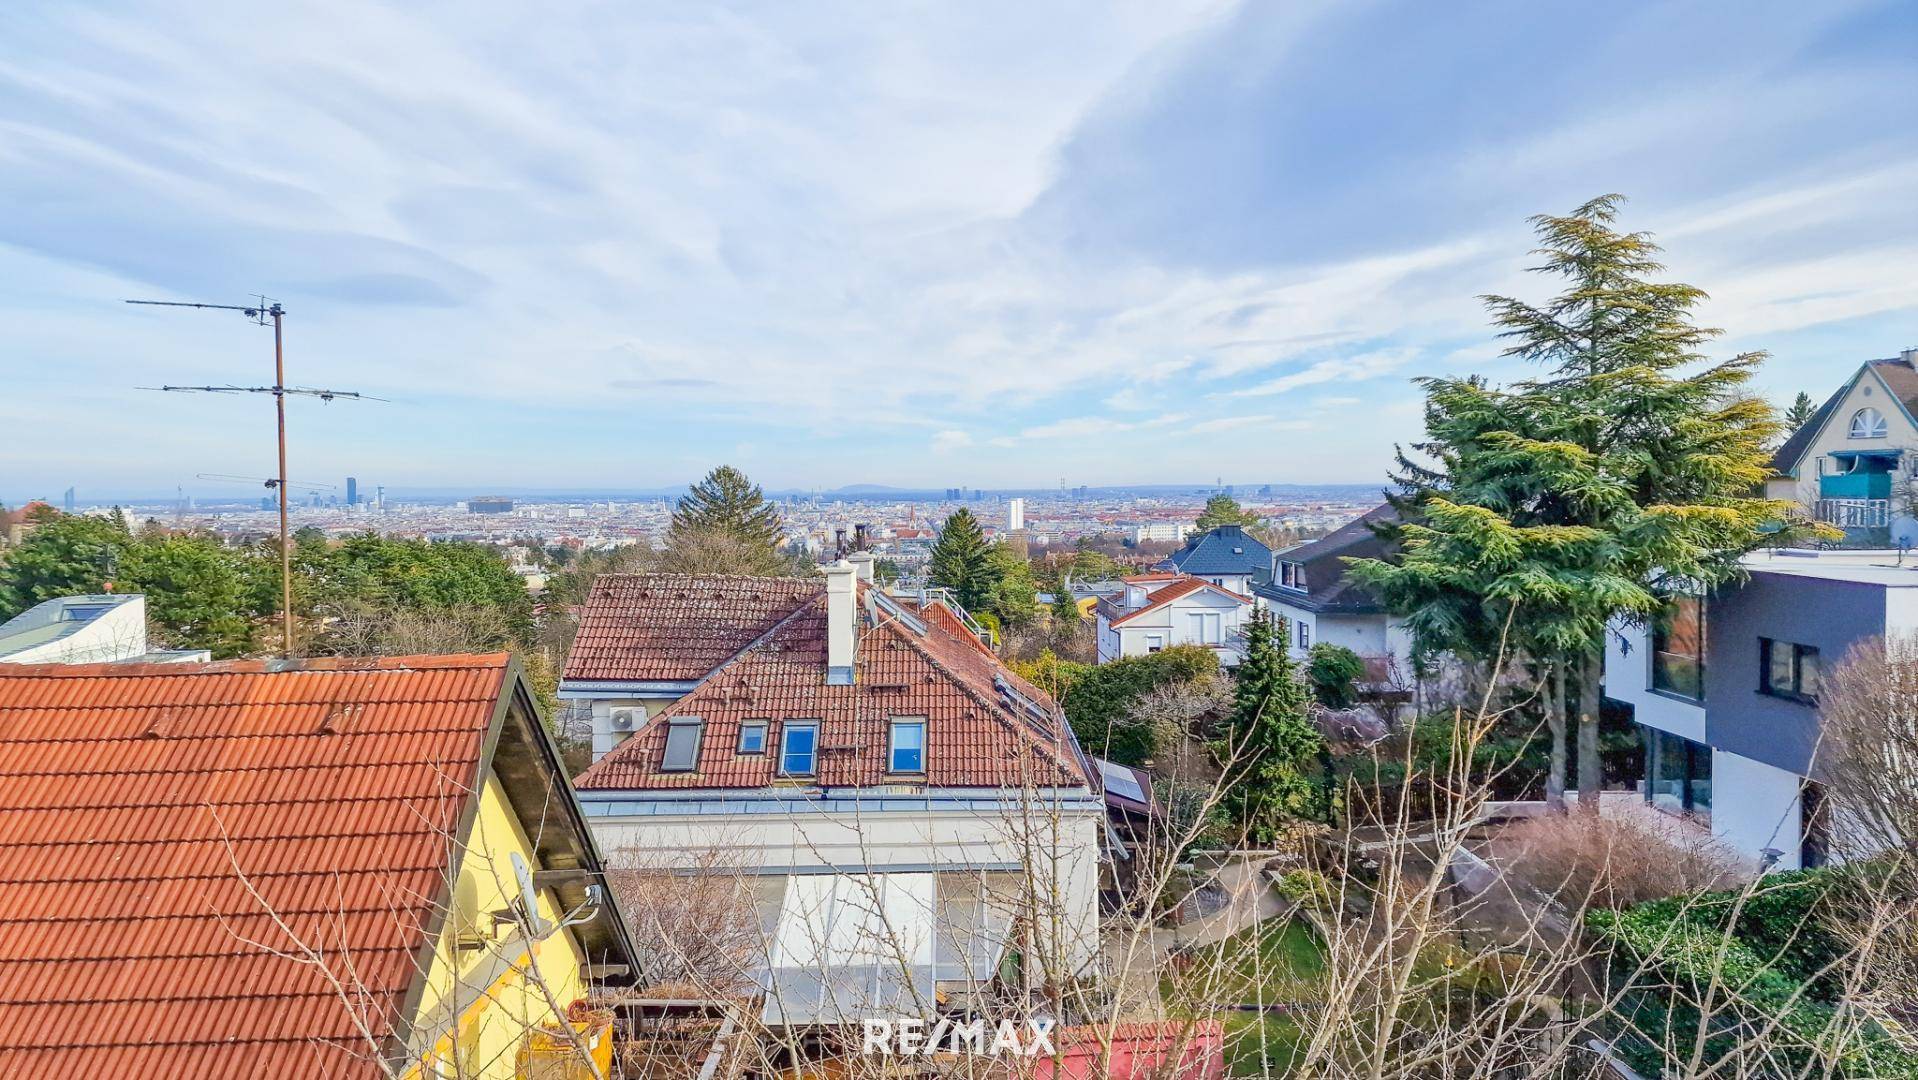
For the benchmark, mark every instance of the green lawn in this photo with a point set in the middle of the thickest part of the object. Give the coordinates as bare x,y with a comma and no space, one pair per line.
1278,961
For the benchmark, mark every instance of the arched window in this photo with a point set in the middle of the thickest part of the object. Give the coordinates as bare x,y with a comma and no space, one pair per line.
1867,424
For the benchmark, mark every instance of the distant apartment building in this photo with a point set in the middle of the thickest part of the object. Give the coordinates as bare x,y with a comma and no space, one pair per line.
1160,532
899,799
1725,690
1015,514
1159,610
1852,465
490,504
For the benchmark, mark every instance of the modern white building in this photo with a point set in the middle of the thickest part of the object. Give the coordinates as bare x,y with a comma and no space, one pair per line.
1725,689
903,804
92,629
1015,514
1160,610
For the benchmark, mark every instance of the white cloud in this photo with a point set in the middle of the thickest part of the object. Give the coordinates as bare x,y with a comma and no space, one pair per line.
1368,365
950,441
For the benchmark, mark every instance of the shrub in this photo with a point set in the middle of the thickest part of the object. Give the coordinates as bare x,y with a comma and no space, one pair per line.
1622,858
1691,963
1333,672
1099,700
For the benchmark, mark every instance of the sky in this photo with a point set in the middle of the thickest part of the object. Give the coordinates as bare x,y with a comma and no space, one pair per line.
981,244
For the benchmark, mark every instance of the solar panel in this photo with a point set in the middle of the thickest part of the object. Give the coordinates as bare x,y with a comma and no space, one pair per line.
1122,781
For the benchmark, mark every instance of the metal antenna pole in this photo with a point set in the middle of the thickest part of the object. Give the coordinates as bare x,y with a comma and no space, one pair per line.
286,547
260,313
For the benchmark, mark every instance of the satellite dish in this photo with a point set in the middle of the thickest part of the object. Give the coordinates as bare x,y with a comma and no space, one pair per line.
528,895
1904,531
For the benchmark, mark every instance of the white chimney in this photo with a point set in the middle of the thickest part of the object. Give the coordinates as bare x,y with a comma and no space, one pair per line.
842,622
1909,356
862,561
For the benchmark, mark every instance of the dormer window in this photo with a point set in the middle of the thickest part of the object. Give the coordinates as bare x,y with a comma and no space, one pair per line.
1868,424
1292,575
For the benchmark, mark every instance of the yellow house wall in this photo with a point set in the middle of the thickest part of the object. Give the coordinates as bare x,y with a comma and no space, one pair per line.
480,1002
1870,391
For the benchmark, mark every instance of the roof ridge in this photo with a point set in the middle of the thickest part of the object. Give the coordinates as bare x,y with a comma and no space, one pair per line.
265,666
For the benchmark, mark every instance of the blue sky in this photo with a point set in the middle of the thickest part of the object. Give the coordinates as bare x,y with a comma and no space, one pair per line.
980,244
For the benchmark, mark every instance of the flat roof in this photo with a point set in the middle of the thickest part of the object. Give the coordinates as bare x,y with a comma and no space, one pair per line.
1887,575
51,620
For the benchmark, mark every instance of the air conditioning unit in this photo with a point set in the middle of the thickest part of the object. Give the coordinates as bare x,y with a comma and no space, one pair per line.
627,718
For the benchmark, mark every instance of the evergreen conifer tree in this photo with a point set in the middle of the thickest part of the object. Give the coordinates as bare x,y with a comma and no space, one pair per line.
1279,773
728,504
1623,476
1800,413
1224,510
961,561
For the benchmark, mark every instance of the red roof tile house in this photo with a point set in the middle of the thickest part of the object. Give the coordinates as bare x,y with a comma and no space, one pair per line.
308,868
1159,610
898,796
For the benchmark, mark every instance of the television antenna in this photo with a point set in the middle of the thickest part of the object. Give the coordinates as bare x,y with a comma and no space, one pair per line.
267,310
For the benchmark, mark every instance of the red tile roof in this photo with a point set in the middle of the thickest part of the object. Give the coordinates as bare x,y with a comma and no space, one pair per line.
1177,590
676,627
976,734
138,803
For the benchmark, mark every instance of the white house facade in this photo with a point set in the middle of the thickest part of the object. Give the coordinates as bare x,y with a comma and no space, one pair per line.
1158,611
900,800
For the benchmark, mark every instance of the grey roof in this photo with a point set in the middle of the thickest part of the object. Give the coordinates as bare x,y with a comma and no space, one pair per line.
1228,549
51,620
1327,586
1899,377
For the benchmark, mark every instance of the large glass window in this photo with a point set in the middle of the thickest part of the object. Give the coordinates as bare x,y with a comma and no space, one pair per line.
1788,670
908,750
799,748
1678,649
1678,774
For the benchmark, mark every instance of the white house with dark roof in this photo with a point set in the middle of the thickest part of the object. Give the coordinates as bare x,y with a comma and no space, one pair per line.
1850,464
1311,589
1159,610
906,808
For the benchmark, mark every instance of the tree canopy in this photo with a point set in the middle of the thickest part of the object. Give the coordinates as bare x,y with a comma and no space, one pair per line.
1223,509
727,503
961,561
1622,475
1801,411
1276,757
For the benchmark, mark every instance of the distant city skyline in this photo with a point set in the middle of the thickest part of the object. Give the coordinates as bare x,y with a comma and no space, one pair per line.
996,246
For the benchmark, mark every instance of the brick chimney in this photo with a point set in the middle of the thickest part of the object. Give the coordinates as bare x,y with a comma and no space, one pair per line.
842,622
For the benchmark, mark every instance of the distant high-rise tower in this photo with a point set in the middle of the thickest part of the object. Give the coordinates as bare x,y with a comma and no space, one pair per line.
352,491
68,501
1015,514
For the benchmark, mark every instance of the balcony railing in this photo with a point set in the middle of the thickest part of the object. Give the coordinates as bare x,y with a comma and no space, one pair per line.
1855,513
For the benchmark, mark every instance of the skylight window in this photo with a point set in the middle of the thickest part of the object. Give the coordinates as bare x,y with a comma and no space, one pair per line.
908,749
799,748
682,744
